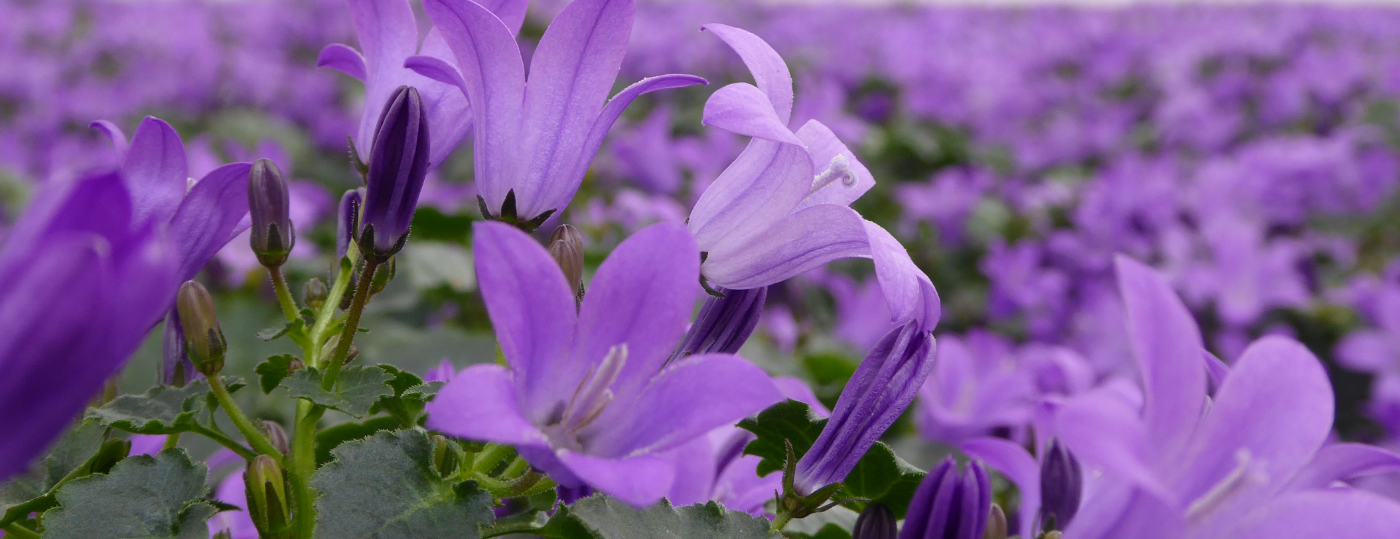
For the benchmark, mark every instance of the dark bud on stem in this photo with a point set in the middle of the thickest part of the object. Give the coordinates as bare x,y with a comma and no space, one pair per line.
875,522
314,294
272,236
398,163
950,505
204,340
267,498
1061,486
347,217
276,435
566,246
996,524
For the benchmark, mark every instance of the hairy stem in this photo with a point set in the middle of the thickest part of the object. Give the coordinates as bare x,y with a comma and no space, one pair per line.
302,467
255,438
224,440
14,529
352,324
284,295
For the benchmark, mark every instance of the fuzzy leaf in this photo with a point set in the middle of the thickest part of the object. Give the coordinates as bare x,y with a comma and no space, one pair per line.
146,497
273,370
789,420
356,390
162,410
385,487
601,517
30,492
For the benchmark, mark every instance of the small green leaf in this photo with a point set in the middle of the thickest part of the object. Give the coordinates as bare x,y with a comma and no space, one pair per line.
356,390
791,421
294,330
605,518
273,370
331,438
409,398
143,497
32,492
384,487
162,410
883,477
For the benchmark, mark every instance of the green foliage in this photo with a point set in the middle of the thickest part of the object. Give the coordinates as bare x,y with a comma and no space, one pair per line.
410,396
272,371
294,330
32,492
355,392
331,438
386,487
601,517
164,409
143,497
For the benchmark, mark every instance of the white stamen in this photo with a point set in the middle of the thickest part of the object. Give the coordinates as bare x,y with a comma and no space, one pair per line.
189,184
594,393
839,169
1247,471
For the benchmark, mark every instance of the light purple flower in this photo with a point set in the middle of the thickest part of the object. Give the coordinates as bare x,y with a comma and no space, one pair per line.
533,142
588,395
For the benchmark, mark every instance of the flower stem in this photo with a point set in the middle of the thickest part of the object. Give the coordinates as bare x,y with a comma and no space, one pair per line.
251,433
302,467
225,441
352,324
780,522
171,442
17,531
490,457
327,314
284,295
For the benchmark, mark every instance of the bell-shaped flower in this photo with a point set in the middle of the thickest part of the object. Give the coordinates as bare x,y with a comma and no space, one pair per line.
949,505
84,283
782,207
587,394
388,37
201,216
534,141
1249,461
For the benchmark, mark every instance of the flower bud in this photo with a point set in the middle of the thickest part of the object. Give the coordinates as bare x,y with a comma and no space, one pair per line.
949,505
204,340
276,434
271,236
996,524
724,323
446,456
566,246
267,497
398,163
314,294
383,276
1061,486
875,522
222,534
347,220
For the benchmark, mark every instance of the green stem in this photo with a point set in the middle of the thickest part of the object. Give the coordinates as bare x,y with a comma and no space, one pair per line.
17,531
172,441
780,522
490,457
328,310
303,466
284,295
251,433
224,440
516,467
352,324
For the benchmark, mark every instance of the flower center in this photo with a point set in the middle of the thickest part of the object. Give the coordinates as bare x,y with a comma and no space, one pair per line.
590,399
839,169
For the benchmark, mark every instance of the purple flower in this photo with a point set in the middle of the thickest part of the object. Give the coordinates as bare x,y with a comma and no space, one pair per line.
948,505
724,323
588,395
388,36
534,142
84,284
397,166
782,207
1252,463
879,391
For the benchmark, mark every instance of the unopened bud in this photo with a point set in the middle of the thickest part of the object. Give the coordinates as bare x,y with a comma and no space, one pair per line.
271,236
875,522
204,340
382,277
222,534
446,456
295,365
276,434
566,246
996,524
398,164
314,294
267,497
347,220
1061,486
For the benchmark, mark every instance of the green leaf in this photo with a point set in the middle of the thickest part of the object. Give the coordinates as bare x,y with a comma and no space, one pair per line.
605,518
164,409
355,391
789,420
273,370
410,396
143,497
296,330
332,437
830,524
30,492
385,487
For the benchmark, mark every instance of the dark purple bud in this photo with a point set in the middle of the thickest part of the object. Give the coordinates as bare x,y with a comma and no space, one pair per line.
398,163
271,235
724,323
875,522
884,384
347,220
948,505
566,246
276,435
997,527
204,340
175,367
1061,486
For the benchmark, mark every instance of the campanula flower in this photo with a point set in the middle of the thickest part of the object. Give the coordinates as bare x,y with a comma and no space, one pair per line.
587,394
949,505
398,164
533,142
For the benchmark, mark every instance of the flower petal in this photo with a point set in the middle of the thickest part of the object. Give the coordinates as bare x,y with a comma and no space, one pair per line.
214,211
571,74
641,296
388,34
481,404
1340,462
640,480
1167,346
688,399
743,109
759,188
532,310
113,133
449,113
908,291
1115,509
823,146
1105,433
1275,408
155,169
794,245
511,12
344,59
770,72
489,61
1334,514
437,69
1014,462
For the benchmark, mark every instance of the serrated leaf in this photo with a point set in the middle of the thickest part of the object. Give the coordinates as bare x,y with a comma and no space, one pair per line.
146,497
883,477
330,438
789,420
384,487
356,389
162,410
823,525
32,492
599,516
410,396
273,370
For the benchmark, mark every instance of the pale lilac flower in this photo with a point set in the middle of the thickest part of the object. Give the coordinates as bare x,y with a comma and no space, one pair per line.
588,395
